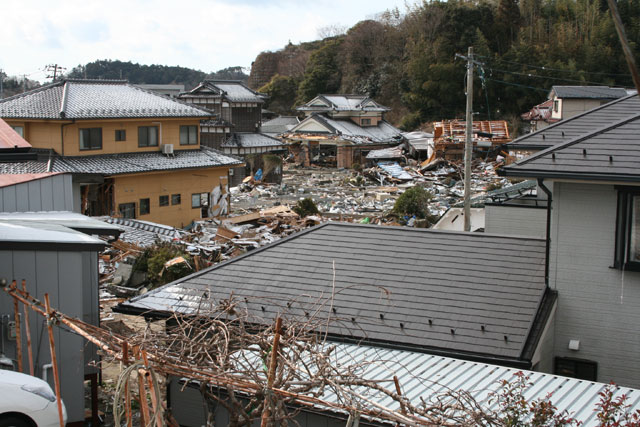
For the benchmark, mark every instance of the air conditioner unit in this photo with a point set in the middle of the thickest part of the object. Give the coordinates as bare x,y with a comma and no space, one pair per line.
167,148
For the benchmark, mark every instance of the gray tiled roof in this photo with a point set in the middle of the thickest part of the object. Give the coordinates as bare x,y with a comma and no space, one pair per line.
279,125
589,92
580,125
232,90
348,130
94,99
611,153
114,164
443,287
343,103
251,139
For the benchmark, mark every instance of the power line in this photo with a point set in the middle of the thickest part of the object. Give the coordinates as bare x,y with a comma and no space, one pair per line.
542,67
517,84
544,77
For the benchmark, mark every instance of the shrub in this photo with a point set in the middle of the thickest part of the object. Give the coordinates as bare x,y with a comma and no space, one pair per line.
306,207
414,201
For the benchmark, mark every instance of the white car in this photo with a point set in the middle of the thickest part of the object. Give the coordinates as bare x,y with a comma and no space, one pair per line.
27,401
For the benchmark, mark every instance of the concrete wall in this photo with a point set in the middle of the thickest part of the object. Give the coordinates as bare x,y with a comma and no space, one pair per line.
597,304
46,135
71,280
132,188
54,193
515,220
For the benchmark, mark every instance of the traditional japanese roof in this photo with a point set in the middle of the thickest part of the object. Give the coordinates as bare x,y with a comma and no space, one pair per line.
588,92
580,125
251,139
279,125
10,139
348,130
232,90
94,99
476,295
359,103
122,163
610,153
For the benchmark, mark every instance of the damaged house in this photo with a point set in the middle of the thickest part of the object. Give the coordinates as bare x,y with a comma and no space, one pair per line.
235,127
340,130
131,153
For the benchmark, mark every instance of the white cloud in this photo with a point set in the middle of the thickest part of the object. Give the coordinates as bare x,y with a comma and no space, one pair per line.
204,34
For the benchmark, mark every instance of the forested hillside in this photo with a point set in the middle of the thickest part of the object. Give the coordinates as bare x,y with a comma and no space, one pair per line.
407,60
151,74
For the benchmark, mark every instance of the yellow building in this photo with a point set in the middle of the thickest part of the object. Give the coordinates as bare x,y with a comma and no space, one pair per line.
132,153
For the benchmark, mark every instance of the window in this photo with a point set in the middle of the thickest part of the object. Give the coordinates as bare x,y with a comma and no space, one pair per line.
175,199
145,206
163,201
188,135
91,139
148,136
199,200
127,210
576,368
365,121
19,130
627,248
121,135
556,106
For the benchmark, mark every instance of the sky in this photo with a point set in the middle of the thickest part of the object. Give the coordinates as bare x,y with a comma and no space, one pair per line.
206,35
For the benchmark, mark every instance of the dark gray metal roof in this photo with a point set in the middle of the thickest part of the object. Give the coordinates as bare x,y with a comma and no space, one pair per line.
123,163
612,153
94,99
251,139
580,125
410,288
589,92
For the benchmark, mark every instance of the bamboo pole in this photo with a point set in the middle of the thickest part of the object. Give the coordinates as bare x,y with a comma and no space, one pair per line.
27,330
54,361
154,401
266,412
145,418
127,392
16,315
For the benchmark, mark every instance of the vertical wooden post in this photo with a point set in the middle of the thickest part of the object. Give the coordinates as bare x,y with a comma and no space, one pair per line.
399,391
127,393
144,406
27,329
16,316
54,361
266,412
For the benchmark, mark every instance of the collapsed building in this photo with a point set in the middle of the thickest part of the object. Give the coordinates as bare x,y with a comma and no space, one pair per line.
340,130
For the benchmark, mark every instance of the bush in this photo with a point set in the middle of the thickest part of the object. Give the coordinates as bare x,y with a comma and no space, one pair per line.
153,259
414,201
306,207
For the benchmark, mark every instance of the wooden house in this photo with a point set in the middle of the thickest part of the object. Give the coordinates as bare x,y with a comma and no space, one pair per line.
131,152
340,130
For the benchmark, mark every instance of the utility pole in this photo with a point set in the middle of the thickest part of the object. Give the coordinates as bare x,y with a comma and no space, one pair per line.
468,144
24,83
55,69
626,49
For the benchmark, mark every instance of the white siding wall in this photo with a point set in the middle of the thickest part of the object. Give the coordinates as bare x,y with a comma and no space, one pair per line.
516,221
54,193
598,305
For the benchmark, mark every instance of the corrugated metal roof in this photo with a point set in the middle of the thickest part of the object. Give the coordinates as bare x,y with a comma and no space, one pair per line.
580,125
94,99
71,220
13,179
426,376
442,286
23,234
